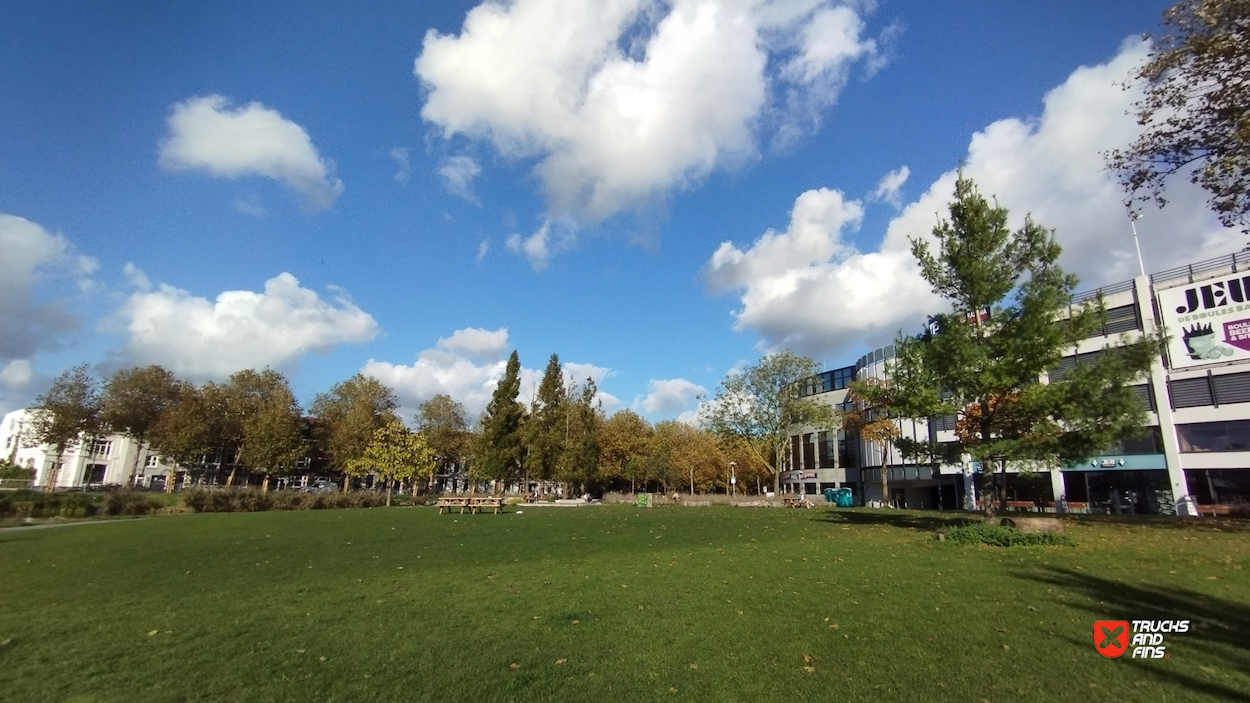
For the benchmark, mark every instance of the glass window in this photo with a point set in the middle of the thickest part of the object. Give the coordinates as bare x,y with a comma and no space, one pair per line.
1149,442
1230,436
101,447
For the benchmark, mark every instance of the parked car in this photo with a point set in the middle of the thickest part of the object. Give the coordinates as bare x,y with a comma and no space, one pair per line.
321,487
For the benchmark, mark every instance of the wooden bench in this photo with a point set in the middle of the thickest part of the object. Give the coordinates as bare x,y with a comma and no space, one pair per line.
472,504
1215,510
1021,505
480,504
453,502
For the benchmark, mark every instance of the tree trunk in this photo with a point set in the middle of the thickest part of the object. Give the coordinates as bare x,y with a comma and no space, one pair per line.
1002,485
388,493
264,486
230,478
134,467
171,479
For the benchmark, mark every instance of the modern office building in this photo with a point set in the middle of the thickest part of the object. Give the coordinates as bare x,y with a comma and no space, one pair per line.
1195,452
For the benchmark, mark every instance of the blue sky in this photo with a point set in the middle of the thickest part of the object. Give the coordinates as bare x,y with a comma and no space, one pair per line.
657,191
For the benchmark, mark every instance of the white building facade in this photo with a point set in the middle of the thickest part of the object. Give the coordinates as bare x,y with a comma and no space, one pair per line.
108,460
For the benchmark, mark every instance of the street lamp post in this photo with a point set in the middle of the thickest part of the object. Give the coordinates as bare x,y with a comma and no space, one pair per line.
733,479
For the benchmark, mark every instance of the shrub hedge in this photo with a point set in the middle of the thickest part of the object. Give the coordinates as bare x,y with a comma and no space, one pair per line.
37,504
251,500
1000,536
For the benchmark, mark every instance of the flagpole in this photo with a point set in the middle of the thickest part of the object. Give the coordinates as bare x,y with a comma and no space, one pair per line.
1132,221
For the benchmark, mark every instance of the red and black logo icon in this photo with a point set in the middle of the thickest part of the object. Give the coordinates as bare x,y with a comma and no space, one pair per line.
1111,637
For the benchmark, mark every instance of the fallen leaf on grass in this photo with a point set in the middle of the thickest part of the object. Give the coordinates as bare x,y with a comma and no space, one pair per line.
1006,646
692,666
576,622
809,669
153,632
562,661
5,643
321,659
834,626
1207,669
514,666
299,651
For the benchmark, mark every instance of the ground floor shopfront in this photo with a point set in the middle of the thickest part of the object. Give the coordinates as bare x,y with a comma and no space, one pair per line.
1118,486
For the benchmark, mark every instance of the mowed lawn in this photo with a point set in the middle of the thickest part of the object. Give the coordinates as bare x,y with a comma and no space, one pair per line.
609,603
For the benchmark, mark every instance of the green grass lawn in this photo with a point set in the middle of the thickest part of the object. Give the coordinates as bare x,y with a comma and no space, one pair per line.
609,603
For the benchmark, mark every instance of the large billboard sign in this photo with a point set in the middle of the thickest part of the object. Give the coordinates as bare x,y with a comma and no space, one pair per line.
1208,322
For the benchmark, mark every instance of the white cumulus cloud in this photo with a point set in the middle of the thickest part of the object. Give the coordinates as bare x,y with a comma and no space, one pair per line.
622,101
30,256
672,396
204,339
477,342
467,366
817,295
206,134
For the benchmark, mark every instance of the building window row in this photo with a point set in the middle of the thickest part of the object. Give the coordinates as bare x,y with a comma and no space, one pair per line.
1202,391
827,381
1227,436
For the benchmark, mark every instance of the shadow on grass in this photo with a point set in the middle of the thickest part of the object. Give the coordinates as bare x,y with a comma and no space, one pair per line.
935,519
1217,626
1223,524
907,519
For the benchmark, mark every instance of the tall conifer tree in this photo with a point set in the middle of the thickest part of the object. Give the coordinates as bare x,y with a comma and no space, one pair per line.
547,427
500,452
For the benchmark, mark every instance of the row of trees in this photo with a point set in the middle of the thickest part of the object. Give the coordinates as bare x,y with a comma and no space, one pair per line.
252,422
1010,321
564,436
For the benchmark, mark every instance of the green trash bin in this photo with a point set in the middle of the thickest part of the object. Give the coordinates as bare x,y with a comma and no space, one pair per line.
843,498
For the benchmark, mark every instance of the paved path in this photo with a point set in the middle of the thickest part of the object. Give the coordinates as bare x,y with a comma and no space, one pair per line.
44,525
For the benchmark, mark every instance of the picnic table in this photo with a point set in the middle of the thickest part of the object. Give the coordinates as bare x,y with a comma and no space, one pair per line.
796,503
473,504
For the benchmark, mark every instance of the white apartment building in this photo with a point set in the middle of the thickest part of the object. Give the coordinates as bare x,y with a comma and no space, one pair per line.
1197,448
107,460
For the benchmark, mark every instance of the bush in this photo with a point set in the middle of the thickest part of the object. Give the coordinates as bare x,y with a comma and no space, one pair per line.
37,504
131,503
250,500
999,536
10,470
